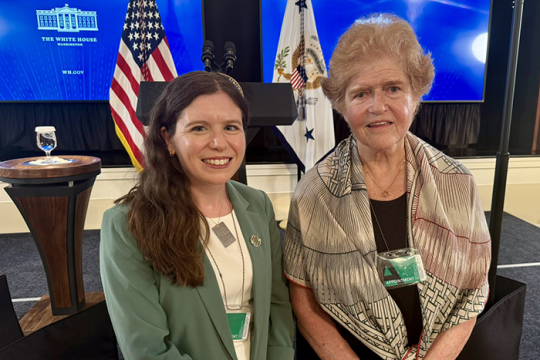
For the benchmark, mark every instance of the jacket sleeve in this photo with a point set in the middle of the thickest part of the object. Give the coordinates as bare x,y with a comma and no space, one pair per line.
139,321
281,332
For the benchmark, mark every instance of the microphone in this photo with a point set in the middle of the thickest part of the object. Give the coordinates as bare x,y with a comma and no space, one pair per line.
229,57
207,55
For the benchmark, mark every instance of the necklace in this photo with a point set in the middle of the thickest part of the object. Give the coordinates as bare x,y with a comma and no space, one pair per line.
222,231
219,218
379,226
385,192
243,270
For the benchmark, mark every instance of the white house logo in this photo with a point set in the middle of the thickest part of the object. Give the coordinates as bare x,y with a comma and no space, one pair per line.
67,19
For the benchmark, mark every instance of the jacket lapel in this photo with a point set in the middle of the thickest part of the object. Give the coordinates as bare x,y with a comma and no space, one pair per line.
250,223
213,301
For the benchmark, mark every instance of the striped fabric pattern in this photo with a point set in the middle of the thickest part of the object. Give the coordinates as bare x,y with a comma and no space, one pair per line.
144,55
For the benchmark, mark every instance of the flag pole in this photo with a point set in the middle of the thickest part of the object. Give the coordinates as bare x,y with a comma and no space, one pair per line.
503,156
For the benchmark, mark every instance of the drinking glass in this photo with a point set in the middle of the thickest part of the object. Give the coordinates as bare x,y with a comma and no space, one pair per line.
46,141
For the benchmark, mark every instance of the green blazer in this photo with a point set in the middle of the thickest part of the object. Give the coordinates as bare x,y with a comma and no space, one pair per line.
154,319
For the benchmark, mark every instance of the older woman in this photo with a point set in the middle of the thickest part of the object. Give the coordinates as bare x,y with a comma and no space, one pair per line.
191,261
382,190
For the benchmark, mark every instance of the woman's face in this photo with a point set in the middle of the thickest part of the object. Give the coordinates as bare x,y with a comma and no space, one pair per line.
209,140
380,105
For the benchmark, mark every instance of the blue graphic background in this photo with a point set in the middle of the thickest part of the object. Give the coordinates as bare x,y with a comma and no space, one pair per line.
31,69
446,28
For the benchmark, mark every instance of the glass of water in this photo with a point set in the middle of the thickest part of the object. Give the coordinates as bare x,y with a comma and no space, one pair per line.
46,141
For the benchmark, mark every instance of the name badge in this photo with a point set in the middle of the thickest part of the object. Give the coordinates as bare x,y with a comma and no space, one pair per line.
239,324
402,267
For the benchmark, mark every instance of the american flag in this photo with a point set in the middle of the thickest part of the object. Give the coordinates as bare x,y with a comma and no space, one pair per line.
298,77
144,55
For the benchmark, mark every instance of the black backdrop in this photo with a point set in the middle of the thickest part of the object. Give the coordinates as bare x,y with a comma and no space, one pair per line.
85,128
88,128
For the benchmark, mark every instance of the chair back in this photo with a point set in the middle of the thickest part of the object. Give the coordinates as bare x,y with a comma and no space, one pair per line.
86,335
10,330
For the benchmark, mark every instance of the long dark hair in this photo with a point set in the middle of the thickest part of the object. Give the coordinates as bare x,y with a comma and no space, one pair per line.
162,217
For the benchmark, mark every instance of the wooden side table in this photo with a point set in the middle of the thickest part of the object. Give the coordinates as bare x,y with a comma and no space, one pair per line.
53,200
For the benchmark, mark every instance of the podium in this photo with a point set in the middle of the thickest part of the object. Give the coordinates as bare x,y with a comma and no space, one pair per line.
270,104
53,200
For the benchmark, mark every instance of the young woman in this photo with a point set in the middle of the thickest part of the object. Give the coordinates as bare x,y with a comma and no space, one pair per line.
191,261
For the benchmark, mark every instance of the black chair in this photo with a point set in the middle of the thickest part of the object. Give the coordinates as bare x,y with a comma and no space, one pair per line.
10,330
86,335
497,333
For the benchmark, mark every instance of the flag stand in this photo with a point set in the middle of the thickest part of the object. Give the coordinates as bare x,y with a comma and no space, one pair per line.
506,303
503,156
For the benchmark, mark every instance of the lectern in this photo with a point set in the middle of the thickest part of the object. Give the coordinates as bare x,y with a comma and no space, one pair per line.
53,200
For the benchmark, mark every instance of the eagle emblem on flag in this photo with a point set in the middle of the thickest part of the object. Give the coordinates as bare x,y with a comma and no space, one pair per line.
312,71
300,62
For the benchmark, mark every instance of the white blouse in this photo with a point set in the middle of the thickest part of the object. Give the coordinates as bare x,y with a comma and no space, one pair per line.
228,261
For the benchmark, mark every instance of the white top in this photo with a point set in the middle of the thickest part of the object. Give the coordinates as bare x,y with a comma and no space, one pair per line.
229,261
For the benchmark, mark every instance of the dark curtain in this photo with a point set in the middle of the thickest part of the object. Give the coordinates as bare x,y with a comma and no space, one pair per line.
85,128
445,125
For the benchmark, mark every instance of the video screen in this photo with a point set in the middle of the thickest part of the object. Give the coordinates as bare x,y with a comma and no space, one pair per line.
455,32
53,51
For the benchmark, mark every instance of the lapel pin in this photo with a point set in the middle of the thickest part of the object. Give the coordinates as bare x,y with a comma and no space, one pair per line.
255,240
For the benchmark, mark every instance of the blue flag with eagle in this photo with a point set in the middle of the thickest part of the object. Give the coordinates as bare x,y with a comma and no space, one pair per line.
300,61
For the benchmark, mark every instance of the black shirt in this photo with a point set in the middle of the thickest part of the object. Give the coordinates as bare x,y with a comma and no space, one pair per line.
392,217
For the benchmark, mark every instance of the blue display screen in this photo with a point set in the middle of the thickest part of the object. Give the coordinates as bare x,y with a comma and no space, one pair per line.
47,56
454,31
